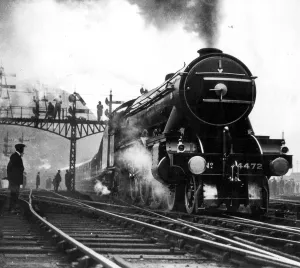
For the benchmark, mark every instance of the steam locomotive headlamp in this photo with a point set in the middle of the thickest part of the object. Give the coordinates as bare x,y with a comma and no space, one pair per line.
197,165
279,166
220,89
284,149
180,146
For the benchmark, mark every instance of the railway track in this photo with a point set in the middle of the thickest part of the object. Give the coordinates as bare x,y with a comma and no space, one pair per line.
94,237
122,243
234,240
23,245
27,243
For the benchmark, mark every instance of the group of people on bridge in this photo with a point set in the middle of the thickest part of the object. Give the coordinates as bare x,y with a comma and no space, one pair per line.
283,187
51,110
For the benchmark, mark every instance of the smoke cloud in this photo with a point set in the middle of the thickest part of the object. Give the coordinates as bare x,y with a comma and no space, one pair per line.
45,165
90,47
138,160
199,16
136,157
101,189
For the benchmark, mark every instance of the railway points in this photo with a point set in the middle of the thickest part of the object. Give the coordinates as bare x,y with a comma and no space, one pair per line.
271,234
134,237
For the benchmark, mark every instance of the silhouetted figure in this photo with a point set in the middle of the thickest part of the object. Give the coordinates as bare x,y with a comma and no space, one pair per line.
99,111
56,181
36,109
37,180
281,186
71,111
68,180
274,187
15,170
50,110
292,188
48,184
57,108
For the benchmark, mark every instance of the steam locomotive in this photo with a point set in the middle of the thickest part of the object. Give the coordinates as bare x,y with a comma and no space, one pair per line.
189,143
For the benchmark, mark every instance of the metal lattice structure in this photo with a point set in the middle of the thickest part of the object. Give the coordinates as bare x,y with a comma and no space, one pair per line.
70,127
72,156
59,127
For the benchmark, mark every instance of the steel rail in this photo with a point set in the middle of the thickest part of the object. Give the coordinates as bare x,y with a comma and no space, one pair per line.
83,201
89,252
253,223
187,224
280,228
228,240
223,230
292,201
270,257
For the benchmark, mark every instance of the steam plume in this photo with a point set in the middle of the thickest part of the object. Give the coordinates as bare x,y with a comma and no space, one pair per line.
101,189
200,16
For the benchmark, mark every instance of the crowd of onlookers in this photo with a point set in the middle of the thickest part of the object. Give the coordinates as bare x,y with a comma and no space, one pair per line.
279,186
53,111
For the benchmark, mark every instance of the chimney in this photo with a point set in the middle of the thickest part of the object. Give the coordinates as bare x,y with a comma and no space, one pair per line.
208,50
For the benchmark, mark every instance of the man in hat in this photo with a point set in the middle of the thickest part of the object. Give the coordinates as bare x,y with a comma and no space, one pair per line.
15,170
56,181
57,107
99,111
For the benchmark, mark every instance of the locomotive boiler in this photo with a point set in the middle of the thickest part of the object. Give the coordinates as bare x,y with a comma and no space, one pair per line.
198,140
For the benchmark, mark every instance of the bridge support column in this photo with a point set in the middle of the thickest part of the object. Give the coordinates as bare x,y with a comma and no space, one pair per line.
73,156
73,139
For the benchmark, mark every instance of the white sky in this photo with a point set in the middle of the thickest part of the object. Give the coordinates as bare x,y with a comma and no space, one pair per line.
103,45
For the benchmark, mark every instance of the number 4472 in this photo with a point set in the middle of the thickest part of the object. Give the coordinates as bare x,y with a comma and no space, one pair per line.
250,166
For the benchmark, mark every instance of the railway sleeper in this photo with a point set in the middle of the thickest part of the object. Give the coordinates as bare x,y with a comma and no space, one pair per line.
61,245
84,262
73,253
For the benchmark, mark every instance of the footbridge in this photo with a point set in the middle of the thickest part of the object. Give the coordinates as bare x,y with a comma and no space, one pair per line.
71,123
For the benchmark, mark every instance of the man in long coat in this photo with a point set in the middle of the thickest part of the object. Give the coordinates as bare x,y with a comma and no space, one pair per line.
15,170
56,181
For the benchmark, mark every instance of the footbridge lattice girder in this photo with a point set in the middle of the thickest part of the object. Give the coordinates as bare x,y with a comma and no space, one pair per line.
62,128
72,129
